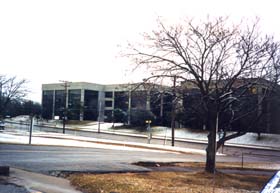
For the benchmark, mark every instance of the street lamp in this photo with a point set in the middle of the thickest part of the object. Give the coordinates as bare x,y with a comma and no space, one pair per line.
149,130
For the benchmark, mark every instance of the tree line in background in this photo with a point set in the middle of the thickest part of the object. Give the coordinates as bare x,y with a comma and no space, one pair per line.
12,102
23,107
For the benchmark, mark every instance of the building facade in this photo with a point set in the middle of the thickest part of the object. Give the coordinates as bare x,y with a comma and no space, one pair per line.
256,107
90,101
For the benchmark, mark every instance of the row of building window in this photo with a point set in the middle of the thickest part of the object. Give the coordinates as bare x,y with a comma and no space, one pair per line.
54,103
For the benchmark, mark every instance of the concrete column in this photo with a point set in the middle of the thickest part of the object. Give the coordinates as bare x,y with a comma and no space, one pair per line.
66,98
113,100
101,101
82,104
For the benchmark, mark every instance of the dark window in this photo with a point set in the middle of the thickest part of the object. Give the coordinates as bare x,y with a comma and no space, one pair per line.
59,103
139,99
108,94
108,103
155,102
74,104
91,105
121,101
47,104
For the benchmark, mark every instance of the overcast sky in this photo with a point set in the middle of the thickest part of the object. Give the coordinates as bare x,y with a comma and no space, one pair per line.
52,40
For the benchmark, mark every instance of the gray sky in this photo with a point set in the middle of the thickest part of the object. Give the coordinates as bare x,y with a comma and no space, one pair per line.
48,41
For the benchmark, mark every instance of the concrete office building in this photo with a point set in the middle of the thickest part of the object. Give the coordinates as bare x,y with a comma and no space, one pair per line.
90,101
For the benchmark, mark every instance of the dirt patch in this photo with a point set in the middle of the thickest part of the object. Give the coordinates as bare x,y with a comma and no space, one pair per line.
167,182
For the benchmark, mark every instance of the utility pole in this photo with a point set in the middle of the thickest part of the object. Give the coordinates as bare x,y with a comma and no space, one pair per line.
173,112
64,118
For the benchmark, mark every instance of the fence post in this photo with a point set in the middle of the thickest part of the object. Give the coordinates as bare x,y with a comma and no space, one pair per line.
31,128
242,160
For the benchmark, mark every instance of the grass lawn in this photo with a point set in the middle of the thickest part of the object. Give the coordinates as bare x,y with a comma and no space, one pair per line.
169,182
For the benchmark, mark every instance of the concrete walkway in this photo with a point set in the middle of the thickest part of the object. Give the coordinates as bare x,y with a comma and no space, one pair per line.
35,182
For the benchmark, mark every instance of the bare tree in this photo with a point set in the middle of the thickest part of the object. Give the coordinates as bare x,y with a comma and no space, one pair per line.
11,89
222,61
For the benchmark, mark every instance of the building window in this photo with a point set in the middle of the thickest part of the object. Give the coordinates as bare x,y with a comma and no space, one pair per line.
74,104
121,100
139,99
47,104
108,103
108,94
59,103
91,105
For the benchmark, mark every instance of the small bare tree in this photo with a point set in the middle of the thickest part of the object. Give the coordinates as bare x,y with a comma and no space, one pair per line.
11,89
222,61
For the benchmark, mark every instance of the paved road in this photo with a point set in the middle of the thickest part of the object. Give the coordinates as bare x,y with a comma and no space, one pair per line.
47,158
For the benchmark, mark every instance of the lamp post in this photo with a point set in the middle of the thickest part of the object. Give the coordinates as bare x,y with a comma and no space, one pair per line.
148,122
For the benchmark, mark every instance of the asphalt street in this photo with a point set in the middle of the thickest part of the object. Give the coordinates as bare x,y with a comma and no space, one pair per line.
44,159
48,158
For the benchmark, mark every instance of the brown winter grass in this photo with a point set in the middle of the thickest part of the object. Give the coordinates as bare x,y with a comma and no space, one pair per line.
168,182
267,166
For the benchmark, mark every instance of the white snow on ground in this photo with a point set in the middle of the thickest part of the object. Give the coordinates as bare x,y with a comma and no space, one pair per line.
75,141
269,140
21,118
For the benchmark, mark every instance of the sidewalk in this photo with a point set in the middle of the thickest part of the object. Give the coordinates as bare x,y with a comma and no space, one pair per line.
36,183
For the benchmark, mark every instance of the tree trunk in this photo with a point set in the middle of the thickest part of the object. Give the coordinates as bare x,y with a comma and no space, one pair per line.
211,151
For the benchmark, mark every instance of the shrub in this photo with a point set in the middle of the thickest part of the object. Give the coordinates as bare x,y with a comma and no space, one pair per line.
138,117
120,116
